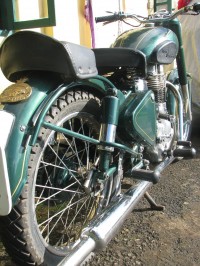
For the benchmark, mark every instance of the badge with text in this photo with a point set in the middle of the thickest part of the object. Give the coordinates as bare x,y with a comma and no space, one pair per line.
17,92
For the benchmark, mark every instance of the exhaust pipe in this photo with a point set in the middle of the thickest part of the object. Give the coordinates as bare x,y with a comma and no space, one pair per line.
100,231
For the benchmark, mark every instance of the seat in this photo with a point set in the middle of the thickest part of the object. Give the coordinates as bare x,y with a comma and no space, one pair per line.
28,50
107,59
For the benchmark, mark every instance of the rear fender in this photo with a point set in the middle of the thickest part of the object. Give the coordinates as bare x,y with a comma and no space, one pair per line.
28,121
17,149
98,84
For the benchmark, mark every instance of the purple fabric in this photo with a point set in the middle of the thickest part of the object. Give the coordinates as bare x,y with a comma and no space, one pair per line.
90,19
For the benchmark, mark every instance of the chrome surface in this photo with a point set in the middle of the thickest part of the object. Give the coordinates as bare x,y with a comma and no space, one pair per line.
80,253
107,134
187,104
99,233
176,92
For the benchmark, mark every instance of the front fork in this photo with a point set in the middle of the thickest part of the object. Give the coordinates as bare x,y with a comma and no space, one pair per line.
186,89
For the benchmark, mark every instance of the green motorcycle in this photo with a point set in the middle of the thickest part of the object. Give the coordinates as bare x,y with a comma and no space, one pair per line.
85,133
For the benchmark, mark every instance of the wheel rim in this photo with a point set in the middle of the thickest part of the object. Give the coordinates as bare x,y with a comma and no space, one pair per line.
62,206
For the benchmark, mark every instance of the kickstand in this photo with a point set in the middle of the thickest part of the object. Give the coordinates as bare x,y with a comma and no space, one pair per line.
153,204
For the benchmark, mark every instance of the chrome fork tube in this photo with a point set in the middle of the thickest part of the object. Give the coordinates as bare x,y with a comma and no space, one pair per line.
107,134
187,104
178,97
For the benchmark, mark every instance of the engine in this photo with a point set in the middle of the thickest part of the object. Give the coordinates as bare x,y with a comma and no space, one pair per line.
164,135
164,123
144,117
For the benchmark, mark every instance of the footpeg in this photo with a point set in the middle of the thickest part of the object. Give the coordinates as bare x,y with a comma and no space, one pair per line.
185,152
184,143
147,175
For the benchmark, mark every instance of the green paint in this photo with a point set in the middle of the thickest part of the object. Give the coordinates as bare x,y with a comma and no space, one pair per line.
137,118
145,39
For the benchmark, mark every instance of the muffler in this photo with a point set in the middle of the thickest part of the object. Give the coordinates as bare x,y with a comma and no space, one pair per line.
100,232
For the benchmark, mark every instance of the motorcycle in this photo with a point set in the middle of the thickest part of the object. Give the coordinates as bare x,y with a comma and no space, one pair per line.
85,134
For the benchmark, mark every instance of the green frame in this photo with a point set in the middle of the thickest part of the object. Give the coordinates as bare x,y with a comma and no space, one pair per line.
9,22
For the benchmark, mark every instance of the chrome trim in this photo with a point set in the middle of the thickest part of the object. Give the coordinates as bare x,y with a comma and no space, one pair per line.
177,95
6,121
99,233
107,134
187,104
79,253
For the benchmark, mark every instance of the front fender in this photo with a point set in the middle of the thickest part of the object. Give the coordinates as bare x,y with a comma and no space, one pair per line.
28,120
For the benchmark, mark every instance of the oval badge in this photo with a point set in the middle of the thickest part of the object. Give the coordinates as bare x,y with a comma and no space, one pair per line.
17,92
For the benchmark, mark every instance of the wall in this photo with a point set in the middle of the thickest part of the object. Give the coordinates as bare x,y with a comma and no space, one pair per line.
69,26
105,35
67,22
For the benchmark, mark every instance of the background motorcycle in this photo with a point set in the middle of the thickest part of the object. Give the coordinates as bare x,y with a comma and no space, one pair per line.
73,140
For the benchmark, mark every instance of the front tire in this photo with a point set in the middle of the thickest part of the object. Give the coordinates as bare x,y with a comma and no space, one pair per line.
54,206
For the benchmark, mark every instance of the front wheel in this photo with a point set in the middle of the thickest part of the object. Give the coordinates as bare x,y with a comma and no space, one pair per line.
54,206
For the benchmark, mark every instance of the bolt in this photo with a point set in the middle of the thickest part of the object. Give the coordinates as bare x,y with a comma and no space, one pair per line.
22,128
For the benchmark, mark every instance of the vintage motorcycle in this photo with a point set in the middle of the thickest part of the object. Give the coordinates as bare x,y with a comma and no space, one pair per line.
85,133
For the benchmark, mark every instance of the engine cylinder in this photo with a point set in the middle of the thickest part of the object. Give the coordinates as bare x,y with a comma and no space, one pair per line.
156,81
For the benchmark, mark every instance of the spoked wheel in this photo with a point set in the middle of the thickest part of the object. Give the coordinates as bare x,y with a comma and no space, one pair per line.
55,205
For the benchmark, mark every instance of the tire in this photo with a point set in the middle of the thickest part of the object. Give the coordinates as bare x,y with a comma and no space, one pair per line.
54,207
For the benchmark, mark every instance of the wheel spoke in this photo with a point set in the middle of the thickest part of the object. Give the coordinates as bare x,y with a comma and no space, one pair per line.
75,148
58,213
48,180
64,164
62,206
59,190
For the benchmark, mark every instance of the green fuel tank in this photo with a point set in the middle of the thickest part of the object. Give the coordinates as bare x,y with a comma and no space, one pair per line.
159,44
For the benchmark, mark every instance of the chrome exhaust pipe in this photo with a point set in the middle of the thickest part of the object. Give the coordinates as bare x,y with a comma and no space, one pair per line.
100,232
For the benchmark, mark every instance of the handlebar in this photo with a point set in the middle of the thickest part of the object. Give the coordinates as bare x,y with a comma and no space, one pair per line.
116,17
111,18
196,7
157,17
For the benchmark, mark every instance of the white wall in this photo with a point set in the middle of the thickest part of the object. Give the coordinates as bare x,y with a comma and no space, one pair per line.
67,23
28,9
105,35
